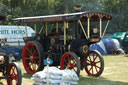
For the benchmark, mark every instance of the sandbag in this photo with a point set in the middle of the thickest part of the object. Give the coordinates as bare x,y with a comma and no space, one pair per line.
53,71
55,76
40,75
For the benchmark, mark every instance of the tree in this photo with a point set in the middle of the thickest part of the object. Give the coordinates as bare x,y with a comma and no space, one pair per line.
118,10
23,8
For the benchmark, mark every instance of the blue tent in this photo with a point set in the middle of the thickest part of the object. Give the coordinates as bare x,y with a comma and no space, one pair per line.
105,46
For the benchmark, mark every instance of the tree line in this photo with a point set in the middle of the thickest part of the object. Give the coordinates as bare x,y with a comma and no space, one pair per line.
25,8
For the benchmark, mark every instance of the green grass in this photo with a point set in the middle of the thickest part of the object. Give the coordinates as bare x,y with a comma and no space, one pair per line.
115,73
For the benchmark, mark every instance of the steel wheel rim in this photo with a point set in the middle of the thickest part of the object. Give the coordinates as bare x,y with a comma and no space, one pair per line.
68,62
12,75
31,58
93,63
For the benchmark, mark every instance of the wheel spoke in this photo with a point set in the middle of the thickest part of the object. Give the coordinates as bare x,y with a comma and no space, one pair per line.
97,62
96,69
31,48
28,51
14,70
90,58
90,68
70,58
27,58
88,64
95,58
30,64
66,62
36,58
16,77
33,67
34,53
35,61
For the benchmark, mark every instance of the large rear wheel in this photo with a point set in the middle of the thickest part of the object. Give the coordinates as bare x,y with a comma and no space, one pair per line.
33,54
94,63
14,75
70,61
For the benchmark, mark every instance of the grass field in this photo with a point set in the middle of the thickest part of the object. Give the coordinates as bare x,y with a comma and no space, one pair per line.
115,73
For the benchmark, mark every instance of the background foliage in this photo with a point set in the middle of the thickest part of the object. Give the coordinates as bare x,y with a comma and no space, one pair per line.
22,8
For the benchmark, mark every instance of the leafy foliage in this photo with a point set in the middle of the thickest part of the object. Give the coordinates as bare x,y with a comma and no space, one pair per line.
22,8
118,9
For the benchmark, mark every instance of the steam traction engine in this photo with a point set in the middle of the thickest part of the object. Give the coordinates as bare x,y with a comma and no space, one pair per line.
65,39
9,70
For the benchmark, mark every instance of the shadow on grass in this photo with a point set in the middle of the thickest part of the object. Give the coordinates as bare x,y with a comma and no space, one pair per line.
126,55
26,75
99,81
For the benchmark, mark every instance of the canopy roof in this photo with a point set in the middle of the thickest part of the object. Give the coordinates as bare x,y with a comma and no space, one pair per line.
94,16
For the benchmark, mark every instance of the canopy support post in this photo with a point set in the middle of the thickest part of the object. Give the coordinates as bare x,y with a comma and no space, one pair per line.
46,29
65,25
26,33
100,27
56,27
88,27
41,29
105,28
82,29
35,28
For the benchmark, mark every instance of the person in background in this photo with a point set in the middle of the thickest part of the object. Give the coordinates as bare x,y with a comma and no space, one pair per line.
115,48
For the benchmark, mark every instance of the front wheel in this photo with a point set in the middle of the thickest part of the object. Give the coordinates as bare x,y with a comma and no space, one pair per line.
94,63
14,75
70,61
